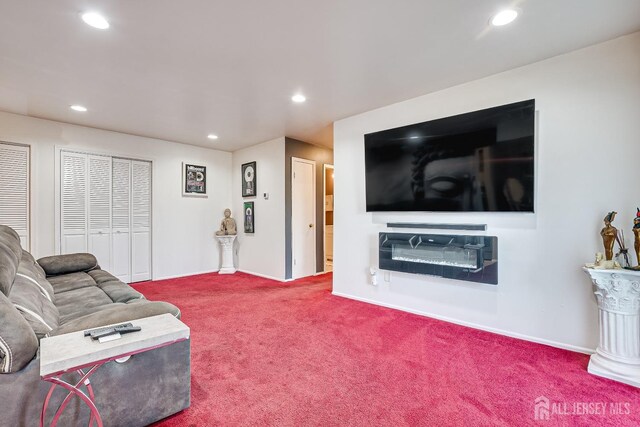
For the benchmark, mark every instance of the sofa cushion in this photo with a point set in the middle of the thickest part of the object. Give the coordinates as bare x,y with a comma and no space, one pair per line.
18,342
10,253
68,317
70,282
70,263
117,313
114,288
30,296
30,270
30,262
77,300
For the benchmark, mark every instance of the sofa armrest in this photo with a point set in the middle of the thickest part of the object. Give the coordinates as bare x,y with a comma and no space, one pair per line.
57,265
117,314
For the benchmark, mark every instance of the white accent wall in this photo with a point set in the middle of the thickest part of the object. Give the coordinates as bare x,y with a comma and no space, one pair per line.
263,252
183,240
588,163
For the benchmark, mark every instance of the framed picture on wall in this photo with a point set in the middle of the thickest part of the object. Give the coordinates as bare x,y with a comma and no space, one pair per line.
249,217
249,179
194,180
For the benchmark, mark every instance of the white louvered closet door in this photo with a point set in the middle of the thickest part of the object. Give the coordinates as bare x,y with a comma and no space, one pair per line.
99,236
106,210
73,202
140,221
121,220
14,190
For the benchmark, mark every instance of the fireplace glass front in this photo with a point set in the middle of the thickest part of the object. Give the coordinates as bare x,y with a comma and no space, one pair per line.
471,258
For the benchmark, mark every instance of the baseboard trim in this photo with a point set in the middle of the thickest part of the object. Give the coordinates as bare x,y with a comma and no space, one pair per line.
266,276
473,325
185,275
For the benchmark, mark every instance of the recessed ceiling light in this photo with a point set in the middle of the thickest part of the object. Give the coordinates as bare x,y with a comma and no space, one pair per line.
212,136
504,17
298,98
95,20
78,108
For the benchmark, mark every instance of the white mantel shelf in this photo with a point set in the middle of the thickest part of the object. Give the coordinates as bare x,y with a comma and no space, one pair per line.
618,354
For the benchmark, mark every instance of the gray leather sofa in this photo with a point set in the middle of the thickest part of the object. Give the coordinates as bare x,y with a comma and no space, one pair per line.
68,293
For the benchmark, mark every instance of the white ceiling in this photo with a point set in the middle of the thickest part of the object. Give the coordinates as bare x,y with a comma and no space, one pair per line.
179,70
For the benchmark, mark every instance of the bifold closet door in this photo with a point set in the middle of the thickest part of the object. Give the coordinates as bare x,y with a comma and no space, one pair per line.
73,202
14,190
121,220
106,211
85,205
99,236
140,221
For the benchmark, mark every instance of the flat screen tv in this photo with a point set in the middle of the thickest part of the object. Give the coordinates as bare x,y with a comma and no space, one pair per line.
474,162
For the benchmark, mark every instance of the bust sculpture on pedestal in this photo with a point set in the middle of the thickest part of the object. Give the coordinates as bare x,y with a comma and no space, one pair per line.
228,225
226,235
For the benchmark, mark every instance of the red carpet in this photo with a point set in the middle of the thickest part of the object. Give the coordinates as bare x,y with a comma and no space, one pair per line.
268,353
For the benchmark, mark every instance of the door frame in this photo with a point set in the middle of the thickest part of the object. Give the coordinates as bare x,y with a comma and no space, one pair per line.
325,167
293,210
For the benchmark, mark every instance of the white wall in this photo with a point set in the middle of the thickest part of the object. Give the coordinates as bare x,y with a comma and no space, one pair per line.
588,153
183,228
262,253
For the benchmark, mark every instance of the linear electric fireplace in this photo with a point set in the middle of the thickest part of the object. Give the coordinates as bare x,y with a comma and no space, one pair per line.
471,258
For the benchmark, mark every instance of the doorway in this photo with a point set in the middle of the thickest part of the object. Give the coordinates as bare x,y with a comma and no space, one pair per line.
303,217
328,217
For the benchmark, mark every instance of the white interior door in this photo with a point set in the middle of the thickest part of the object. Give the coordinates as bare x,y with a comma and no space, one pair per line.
121,220
73,202
14,190
303,217
99,235
140,221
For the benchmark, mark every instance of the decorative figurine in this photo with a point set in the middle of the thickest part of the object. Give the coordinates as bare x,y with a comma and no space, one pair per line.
609,234
228,225
636,232
602,264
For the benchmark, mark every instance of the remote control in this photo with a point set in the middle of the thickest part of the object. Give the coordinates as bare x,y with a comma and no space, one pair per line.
120,329
97,331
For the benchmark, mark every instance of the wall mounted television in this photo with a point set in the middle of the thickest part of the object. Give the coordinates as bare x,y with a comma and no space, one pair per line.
481,161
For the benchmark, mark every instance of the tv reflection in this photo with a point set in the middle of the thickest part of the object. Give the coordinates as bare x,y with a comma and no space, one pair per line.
470,179
449,184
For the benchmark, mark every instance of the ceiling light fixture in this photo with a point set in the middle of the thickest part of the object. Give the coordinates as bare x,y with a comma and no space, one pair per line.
95,20
79,108
298,98
504,17
212,136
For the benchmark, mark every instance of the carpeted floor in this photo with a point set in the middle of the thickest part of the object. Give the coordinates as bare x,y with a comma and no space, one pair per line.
268,353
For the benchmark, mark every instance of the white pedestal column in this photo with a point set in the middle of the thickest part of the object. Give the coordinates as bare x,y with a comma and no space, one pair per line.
226,245
618,354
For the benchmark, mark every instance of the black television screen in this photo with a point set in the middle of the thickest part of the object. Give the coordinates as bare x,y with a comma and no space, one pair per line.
474,162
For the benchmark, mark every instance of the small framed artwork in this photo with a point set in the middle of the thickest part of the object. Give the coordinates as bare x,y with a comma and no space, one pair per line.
249,217
249,180
194,180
